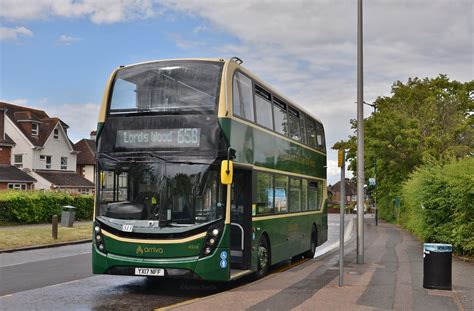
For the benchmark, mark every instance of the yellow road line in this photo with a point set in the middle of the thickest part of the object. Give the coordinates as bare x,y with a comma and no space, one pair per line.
282,269
180,304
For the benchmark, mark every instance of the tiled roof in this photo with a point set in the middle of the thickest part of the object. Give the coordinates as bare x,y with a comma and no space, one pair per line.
86,148
65,179
10,173
350,187
45,124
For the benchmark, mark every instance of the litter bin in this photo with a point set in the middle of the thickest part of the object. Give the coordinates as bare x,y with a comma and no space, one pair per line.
437,264
68,216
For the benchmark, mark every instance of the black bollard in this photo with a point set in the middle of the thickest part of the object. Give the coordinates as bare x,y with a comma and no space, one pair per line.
55,227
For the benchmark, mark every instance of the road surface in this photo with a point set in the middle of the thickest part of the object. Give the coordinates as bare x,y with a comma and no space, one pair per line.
60,278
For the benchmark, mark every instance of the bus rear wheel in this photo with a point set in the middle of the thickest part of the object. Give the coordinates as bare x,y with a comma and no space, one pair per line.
263,258
314,240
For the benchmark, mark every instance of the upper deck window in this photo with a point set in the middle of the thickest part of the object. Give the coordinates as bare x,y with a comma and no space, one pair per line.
320,137
295,124
242,102
263,107
310,133
280,116
168,87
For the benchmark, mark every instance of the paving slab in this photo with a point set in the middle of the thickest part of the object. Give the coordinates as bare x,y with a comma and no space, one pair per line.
390,279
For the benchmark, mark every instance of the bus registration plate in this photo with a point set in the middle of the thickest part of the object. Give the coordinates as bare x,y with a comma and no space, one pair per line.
150,271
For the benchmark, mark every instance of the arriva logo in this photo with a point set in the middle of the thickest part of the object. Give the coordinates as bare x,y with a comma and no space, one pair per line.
142,250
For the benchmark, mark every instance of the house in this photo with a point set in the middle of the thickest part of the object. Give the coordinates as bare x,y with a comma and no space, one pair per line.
43,149
11,177
86,157
350,192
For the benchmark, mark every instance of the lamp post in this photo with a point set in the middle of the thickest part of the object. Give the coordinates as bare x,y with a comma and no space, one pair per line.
373,105
360,138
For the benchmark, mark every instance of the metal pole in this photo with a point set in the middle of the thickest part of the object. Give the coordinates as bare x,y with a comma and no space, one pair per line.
360,138
341,221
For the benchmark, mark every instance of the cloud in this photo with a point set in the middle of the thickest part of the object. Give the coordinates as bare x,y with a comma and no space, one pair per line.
67,40
307,49
183,43
99,12
334,172
13,33
80,127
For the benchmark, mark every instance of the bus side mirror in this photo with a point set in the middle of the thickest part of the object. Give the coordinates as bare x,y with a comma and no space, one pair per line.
227,172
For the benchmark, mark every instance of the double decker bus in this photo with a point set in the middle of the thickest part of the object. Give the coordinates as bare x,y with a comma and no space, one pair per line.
204,171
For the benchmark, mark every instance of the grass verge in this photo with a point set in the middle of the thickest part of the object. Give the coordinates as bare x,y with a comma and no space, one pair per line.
22,236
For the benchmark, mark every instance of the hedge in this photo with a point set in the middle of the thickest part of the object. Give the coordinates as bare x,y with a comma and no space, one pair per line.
438,204
30,207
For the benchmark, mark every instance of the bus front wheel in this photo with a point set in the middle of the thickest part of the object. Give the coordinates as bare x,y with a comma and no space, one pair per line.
314,240
263,258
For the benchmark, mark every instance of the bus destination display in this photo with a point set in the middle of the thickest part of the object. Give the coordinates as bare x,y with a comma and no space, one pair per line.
159,138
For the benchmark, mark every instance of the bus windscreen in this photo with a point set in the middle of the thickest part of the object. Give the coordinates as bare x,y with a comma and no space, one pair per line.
167,87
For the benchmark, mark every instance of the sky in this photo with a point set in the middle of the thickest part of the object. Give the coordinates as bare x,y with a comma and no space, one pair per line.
56,55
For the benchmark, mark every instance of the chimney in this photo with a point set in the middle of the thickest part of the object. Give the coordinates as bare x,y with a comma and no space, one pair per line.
2,124
93,135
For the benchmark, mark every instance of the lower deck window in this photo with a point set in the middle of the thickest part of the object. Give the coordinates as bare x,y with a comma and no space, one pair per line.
281,194
264,193
277,194
18,186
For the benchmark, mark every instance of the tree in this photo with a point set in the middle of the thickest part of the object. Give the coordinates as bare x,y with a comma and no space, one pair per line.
423,120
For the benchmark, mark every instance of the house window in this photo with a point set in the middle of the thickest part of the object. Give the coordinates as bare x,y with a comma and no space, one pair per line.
18,160
17,186
47,159
63,163
56,134
34,129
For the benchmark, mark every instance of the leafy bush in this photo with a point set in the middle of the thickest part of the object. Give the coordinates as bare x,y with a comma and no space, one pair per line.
39,207
438,204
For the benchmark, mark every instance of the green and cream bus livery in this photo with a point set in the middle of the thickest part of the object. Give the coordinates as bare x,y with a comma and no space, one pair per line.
204,171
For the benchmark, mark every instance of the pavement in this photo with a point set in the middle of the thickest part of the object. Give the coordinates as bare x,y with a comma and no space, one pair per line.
390,279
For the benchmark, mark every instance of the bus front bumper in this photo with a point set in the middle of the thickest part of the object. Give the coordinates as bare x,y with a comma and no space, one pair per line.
208,268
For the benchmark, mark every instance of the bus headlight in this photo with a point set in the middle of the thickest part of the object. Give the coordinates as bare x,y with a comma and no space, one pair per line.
98,239
214,234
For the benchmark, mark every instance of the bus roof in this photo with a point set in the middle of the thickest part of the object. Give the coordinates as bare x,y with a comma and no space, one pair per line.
245,70
277,93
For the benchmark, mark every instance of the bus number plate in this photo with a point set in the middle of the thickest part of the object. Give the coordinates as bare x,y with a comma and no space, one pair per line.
150,271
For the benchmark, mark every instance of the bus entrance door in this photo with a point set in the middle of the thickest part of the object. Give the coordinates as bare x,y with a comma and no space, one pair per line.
241,218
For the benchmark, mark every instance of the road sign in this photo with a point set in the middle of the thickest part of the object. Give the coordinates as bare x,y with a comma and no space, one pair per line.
371,181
